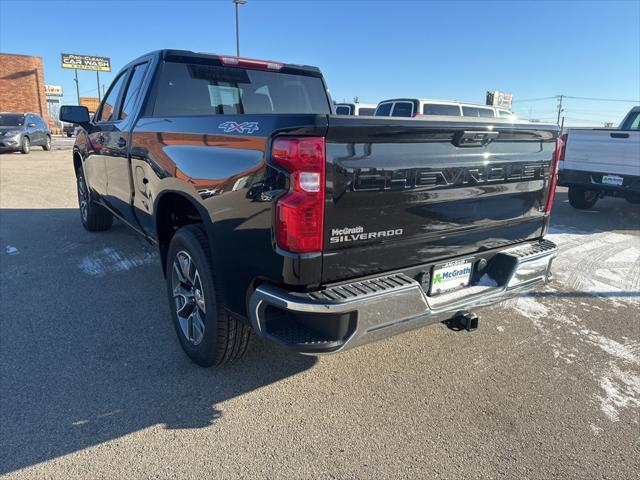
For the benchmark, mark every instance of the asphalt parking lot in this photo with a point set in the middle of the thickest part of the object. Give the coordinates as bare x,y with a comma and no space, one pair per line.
94,383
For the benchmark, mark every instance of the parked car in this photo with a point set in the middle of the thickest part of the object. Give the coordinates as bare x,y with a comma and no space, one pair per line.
414,107
355,109
319,232
69,129
21,131
599,162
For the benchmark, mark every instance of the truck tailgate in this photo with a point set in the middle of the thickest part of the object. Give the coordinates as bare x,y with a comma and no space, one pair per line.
403,192
604,151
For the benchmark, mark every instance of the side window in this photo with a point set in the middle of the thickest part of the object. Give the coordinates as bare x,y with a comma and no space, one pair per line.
633,122
135,84
383,110
477,112
343,110
366,111
109,102
402,109
440,109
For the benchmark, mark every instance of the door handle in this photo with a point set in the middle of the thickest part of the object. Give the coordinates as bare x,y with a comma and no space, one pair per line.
122,142
619,135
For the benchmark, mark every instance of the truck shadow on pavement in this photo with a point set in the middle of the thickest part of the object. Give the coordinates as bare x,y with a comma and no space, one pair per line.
90,356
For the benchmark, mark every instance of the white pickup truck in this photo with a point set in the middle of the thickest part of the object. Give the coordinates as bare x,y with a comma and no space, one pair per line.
598,162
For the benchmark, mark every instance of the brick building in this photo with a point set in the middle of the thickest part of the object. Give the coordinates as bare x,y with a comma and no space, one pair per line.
22,85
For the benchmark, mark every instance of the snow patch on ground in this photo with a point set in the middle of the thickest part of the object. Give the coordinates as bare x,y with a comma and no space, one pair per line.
621,390
601,264
110,260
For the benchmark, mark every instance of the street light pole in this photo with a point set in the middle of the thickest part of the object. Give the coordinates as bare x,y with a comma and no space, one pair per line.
238,3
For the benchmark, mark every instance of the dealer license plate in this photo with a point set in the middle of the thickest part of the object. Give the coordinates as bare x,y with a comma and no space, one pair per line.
451,276
612,180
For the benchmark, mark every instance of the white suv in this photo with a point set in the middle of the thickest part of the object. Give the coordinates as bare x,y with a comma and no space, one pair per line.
413,107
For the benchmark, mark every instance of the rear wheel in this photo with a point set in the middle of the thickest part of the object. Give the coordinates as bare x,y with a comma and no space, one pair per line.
633,200
95,218
582,198
25,145
208,334
47,143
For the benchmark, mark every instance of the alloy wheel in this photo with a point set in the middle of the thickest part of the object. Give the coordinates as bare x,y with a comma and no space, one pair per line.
188,296
83,198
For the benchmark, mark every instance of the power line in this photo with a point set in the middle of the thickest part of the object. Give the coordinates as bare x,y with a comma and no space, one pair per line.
602,99
536,99
584,120
555,97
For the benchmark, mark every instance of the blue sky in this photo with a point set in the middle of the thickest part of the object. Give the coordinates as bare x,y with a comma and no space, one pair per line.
373,49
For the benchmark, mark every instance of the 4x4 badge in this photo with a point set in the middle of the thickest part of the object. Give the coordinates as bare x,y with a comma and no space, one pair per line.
244,127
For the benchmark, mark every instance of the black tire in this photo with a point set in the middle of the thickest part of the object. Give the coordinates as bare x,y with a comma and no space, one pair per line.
47,143
94,217
582,198
25,145
223,338
69,135
633,200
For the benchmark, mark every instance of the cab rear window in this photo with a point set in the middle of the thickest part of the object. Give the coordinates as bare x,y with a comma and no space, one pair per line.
186,89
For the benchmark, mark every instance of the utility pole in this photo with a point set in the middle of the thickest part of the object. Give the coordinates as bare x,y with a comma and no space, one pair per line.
98,79
560,110
77,85
238,3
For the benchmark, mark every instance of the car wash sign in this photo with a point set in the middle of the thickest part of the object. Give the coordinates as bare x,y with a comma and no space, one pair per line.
85,62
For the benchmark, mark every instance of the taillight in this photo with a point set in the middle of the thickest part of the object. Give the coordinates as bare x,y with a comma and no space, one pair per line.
251,63
300,213
563,139
553,181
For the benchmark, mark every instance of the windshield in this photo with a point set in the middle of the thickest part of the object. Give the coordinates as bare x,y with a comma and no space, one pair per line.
11,120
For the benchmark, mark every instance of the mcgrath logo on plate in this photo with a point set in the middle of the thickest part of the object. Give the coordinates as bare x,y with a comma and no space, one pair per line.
239,127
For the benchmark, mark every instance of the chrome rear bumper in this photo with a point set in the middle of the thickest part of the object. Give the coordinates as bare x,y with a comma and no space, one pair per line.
364,311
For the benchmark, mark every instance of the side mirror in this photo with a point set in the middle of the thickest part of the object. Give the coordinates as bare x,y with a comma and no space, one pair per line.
74,114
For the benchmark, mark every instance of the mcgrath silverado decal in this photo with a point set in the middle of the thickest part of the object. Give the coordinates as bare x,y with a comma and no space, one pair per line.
355,234
243,127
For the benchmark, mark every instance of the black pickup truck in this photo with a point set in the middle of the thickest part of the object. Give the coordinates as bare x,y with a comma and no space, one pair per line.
317,231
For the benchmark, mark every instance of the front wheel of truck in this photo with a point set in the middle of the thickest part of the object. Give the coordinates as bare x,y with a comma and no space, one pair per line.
95,218
582,198
207,333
